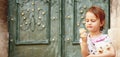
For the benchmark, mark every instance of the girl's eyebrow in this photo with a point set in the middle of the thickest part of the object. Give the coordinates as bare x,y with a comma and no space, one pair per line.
91,18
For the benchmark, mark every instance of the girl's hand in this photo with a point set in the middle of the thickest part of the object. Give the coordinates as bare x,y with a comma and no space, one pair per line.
83,34
83,42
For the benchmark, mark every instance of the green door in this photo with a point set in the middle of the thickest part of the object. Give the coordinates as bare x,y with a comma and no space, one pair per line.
48,28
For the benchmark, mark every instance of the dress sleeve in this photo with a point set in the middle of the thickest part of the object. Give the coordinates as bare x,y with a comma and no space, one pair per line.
108,39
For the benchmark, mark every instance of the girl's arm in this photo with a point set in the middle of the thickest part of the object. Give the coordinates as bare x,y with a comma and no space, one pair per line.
84,49
110,53
83,42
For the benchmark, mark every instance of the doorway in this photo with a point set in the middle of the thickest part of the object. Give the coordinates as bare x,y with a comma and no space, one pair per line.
48,28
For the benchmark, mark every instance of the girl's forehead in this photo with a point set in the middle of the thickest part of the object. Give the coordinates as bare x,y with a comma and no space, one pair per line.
90,15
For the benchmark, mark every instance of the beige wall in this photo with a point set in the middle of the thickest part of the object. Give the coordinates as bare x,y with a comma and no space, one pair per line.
114,31
3,29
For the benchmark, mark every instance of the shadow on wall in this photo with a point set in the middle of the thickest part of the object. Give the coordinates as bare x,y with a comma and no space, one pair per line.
3,29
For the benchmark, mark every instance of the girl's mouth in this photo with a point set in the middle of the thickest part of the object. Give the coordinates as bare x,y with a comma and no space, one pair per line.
89,26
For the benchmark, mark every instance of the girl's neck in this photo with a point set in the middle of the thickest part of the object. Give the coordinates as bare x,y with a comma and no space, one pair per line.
94,34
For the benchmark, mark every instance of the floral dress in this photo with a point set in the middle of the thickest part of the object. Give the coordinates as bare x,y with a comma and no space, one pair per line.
98,45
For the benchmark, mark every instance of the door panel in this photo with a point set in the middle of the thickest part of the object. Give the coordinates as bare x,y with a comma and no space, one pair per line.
71,47
35,28
74,19
33,22
48,28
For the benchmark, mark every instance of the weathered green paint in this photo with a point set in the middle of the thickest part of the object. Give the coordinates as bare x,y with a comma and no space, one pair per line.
33,22
48,28
33,30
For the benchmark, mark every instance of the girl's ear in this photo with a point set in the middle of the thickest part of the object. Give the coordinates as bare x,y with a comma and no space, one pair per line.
102,23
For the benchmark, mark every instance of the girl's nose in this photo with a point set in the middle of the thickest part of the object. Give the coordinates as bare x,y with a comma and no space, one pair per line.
89,23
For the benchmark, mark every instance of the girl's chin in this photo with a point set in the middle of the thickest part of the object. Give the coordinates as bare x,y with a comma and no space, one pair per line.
90,30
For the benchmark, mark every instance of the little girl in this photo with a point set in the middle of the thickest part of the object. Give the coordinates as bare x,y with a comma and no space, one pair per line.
95,44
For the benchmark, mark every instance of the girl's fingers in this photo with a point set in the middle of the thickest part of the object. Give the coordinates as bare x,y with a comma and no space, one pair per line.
83,34
81,30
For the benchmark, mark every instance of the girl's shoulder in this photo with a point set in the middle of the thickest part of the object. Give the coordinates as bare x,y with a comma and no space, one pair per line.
102,38
107,38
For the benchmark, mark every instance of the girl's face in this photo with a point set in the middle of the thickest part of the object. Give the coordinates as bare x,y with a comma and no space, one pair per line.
92,23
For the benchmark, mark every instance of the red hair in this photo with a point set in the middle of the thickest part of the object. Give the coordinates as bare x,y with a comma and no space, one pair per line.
99,13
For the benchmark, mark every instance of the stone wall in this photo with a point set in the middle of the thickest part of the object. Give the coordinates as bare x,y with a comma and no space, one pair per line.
114,31
3,29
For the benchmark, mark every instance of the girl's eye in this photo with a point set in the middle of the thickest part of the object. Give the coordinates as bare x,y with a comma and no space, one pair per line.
92,20
86,20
